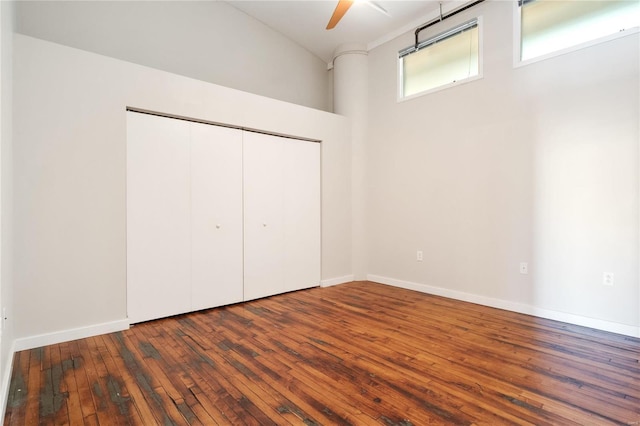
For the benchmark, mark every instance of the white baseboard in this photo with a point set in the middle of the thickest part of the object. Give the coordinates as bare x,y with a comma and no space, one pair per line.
6,381
336,281
67,335
614,327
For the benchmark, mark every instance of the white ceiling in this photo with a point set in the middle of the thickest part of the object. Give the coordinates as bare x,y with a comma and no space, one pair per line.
305,21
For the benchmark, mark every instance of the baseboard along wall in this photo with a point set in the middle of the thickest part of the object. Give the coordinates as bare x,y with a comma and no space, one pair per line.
68,335
627,330
338,280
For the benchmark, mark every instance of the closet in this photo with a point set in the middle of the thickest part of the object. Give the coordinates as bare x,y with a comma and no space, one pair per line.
217,215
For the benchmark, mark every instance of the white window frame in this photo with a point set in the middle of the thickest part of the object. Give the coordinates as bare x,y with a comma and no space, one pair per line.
401,98
517,41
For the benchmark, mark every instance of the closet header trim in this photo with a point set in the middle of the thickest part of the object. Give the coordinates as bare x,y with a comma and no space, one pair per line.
214,123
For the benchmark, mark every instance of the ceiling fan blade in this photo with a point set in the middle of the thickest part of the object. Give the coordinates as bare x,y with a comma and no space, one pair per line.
377,7
341,9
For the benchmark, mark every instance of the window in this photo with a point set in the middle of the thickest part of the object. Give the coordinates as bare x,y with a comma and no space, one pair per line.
449,58
548,26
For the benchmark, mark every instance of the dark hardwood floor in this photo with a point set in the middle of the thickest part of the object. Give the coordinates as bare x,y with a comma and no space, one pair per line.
355,354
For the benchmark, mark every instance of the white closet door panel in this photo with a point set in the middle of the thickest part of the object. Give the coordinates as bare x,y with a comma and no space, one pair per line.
263,204
158,211
216,207
301,214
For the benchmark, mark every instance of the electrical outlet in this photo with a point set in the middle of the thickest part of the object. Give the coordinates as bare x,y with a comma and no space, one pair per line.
419,256
607,278
524,268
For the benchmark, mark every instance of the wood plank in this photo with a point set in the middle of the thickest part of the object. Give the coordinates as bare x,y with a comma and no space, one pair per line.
32,411
18,388
505,368
299,402
99,393
142,408
150,388
85,396
70,386
395,369
355,354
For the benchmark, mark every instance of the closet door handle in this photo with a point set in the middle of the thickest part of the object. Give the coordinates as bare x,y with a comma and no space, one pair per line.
218,226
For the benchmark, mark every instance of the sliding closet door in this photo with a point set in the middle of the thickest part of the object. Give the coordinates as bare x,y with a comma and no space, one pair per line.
301,214
263,218
216,208
216,216
158,217
281,216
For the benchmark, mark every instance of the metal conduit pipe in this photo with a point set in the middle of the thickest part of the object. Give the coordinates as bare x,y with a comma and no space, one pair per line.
442,18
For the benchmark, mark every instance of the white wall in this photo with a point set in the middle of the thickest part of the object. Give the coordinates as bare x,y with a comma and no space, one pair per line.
350,90
206,40
536,164
69,163
7,16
